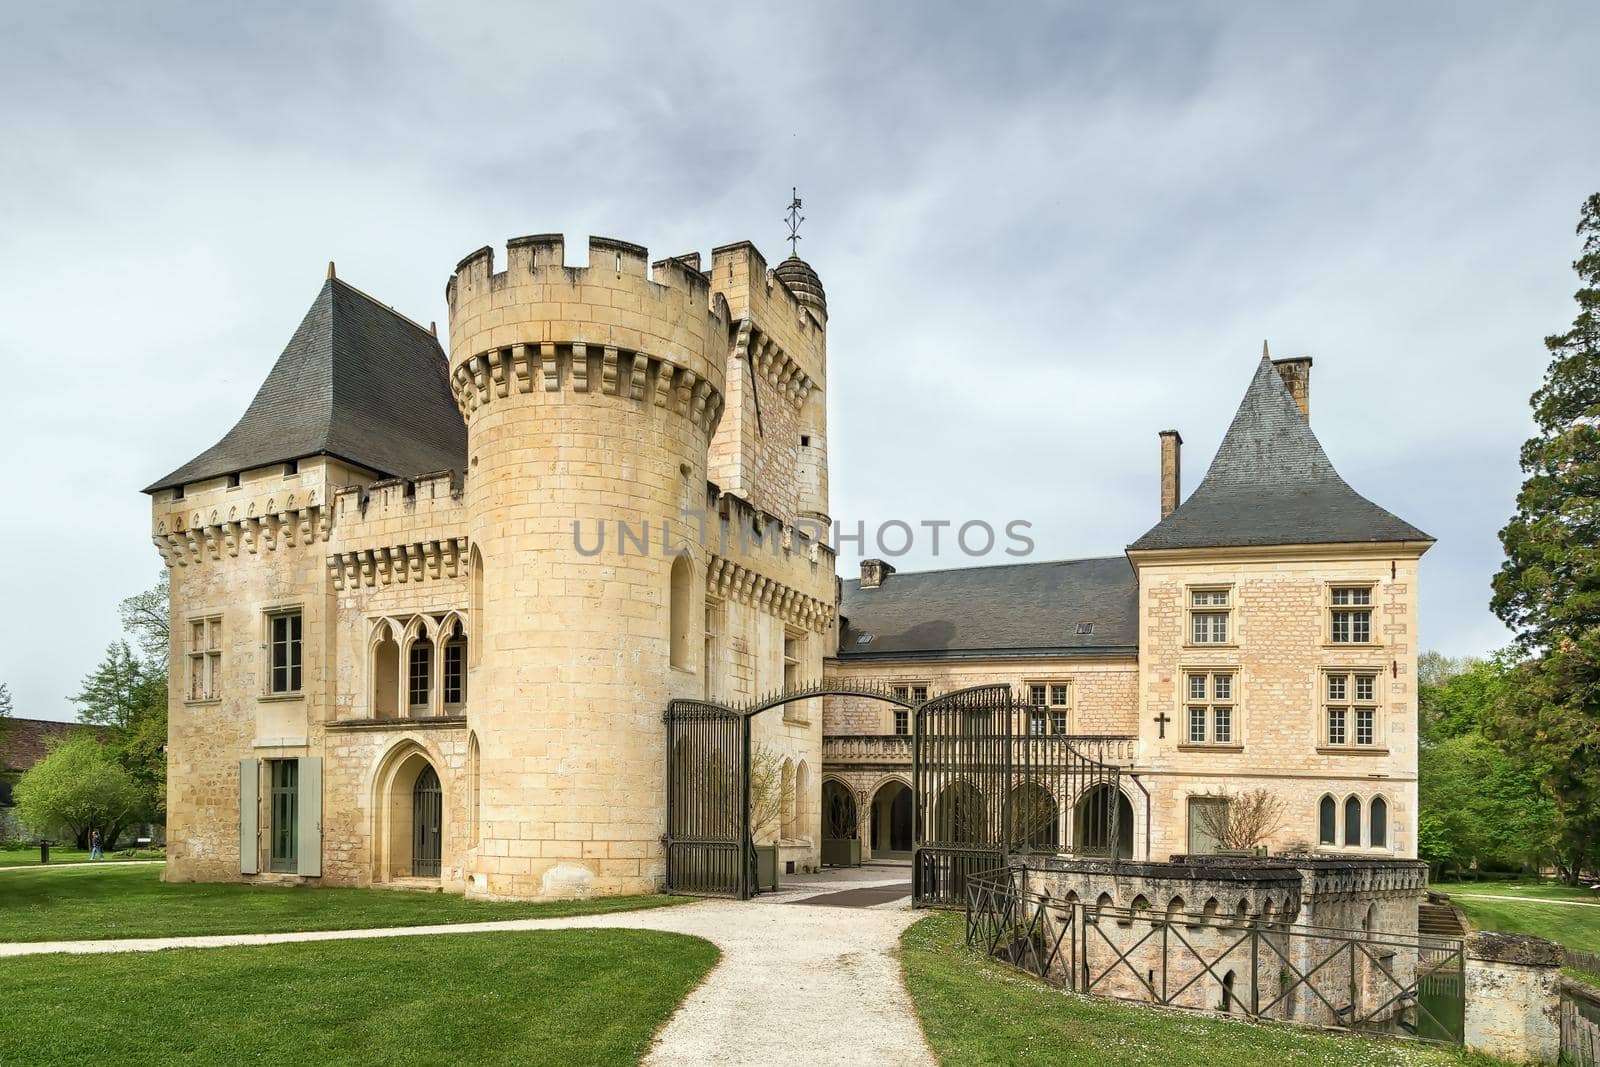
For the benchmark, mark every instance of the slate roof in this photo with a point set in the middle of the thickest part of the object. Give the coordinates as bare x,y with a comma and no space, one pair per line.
356,381
1271,484
1015,609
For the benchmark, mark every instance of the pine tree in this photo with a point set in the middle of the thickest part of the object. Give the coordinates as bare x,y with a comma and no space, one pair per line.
1548,589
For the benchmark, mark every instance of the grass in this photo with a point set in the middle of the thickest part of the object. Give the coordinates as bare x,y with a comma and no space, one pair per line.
84,903
29,857
1541,889
975,1011
1576,928
548,997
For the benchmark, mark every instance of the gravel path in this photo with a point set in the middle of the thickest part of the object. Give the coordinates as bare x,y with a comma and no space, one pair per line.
798,983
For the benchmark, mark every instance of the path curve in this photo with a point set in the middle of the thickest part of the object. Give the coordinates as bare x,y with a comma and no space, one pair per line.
797,983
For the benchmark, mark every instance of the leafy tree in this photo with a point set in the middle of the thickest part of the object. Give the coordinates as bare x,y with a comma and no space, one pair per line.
147,617
129,697
1479,806
1548,588
79,786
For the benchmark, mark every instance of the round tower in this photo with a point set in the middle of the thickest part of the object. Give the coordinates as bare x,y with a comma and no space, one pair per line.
590,396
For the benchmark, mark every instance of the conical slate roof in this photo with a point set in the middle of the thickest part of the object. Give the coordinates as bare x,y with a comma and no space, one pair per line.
357,381
1271,484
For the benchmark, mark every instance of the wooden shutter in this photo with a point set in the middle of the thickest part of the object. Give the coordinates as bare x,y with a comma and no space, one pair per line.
249,816
308,859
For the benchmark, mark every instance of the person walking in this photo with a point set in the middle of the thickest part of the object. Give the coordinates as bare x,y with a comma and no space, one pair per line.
94,846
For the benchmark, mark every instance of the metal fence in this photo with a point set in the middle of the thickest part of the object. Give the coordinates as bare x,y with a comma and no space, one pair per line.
1254,967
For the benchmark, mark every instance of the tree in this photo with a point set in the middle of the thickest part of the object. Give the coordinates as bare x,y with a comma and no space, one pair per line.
129,697
1548,588
1245,821
147,617
5,707
1479,805
79,786
766,791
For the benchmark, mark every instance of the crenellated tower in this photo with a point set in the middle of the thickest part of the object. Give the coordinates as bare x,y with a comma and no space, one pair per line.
591,395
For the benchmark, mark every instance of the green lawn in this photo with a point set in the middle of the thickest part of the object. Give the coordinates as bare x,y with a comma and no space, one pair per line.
29,857
92,903
1576,928
976,1011
549,997
1541,889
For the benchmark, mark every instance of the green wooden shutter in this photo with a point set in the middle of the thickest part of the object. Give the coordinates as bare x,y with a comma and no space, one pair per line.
308,859
249,816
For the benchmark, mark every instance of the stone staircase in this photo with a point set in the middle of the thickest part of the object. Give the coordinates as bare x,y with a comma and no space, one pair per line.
1440,918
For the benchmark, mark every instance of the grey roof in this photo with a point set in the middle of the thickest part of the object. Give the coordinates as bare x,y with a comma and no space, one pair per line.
1271,484
1015,609
357,381
803,282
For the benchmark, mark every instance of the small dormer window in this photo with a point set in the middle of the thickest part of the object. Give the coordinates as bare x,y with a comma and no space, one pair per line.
233,480
1085,628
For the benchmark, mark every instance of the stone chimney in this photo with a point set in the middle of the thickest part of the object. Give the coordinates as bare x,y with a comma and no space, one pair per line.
1171,477
1296,374
874,572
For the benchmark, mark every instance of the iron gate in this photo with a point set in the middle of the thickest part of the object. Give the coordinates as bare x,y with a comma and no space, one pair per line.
990,776
708,846
427,811
993,776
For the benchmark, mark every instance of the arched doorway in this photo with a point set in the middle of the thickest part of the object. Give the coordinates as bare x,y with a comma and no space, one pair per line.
408,824
427,819
1035,819
838,811
890,831
1093,826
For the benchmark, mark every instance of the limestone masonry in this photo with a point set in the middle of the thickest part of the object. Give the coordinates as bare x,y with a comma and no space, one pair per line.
429,604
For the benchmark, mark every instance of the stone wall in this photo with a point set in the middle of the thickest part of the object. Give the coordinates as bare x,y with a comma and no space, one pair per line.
1278,652
1513,997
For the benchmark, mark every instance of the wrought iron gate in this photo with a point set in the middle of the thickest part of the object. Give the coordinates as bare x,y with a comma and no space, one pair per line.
427,811
992,776
708,845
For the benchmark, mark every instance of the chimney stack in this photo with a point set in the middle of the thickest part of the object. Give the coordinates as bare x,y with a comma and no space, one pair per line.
874,572
1296,374
1171,479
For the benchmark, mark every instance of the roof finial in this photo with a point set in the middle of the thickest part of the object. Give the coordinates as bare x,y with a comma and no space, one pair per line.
330,270
794,219
1264,354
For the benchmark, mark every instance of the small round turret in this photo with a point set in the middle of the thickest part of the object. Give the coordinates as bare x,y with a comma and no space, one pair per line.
803,282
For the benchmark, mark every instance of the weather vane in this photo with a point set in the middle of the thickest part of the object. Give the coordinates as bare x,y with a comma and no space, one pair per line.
794,219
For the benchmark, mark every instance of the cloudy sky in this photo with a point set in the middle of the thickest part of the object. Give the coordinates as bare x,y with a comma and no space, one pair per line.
1046,233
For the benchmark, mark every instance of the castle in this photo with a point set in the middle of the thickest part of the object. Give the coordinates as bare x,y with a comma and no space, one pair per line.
428,607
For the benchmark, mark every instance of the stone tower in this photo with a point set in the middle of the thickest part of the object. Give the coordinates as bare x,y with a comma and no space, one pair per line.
590,396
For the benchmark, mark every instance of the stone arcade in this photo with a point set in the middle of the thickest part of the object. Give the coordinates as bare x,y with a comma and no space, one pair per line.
428,606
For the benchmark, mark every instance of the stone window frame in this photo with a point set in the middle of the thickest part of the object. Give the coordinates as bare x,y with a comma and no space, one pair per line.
1057,715
1229,611
1211,703
206,658
1364,814
438,629
1351,704
716,621
1330,593
269,615
791,660
906,689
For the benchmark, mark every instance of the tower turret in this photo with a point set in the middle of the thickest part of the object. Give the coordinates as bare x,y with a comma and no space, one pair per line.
591,395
